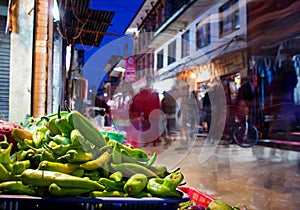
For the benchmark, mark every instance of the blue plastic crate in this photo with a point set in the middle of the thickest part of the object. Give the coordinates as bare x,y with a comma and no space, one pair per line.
22,202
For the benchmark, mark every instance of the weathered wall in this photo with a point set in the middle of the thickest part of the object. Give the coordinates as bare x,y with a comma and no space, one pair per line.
21,60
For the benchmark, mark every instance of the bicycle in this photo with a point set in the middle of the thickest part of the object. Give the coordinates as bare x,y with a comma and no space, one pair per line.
244,133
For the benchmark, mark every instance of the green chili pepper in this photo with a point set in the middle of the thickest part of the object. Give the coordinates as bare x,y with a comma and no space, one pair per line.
173,180
5,154
116,155
86,128
38,136
78,172
104,170
156,187
143,194
135,184
78,139
133,152
51,125
22,154
93,175
48,156
4,144
60,139
74,156
111,185
129,169
116,176
166,187
160,170
44,178
66,168
63,125
107,194
4,173
20,166
17,188
56,190
97,163
60,149
151,160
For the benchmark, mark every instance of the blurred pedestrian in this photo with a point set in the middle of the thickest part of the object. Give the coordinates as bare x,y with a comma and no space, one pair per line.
171,110
144,114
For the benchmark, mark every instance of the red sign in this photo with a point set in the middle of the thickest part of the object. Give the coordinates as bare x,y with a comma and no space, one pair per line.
130,73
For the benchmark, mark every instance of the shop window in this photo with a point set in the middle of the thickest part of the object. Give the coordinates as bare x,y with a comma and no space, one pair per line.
230,18
160,59
172,52
203,34
185,44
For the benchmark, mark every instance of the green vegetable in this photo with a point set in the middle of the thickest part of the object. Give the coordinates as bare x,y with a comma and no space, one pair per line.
78,172
4,173
156,187
111,185
56,190
218,205
4,144
17,188
66,168
173,180
63,124
5,154
135,184
22,154
97,163
38,136
86,128
143,194
129,169
45,178
60,139
19,166
116,155
116,176
78,140
51,125
166,187
107,194
151,160
74,156
59,149
93,175
133,152
160,171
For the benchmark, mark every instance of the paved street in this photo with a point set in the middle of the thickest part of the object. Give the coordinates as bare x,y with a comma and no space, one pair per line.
251,177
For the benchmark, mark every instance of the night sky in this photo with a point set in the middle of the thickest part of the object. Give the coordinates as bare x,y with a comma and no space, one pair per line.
97,57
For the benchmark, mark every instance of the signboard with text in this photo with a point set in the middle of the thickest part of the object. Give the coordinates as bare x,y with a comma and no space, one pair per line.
130,73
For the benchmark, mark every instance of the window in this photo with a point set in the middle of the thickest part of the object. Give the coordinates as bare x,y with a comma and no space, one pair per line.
203,34
172,52
230,19
185,44
160,59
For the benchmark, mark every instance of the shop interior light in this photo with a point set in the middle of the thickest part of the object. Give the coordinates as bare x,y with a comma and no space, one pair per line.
193,75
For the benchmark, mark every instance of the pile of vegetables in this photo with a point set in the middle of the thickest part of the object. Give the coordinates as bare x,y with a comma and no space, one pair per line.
64,154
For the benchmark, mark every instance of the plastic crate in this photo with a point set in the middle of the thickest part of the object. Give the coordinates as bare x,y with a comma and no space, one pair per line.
197,196
22,202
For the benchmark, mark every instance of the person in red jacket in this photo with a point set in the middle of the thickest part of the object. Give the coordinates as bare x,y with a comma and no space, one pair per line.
144,114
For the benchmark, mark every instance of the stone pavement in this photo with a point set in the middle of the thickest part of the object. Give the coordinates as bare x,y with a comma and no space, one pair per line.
258,178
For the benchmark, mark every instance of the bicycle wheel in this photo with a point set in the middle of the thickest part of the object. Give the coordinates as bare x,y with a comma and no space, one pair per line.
245,138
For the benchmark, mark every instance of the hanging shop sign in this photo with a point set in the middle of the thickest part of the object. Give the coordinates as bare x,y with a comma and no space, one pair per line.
130,73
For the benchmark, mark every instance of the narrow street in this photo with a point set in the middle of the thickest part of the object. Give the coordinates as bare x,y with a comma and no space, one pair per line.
250,177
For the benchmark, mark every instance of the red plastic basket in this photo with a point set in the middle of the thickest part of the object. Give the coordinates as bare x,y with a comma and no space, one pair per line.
197,196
